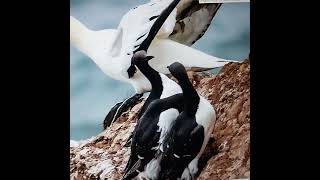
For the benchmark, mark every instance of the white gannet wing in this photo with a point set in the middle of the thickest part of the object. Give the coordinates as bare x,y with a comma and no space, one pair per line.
192,21
137,23
186,23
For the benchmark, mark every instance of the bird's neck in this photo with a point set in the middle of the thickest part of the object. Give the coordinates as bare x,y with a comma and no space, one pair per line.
174,101
156,84
191,97
95,44
153,76
80,35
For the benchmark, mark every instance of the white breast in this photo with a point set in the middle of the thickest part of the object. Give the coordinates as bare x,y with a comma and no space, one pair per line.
167,117
165,122
169,87
205,114
206,117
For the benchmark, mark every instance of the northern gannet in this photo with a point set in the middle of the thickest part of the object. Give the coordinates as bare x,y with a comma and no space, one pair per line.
112,49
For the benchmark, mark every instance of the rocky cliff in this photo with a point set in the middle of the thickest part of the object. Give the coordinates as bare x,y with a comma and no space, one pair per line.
227,155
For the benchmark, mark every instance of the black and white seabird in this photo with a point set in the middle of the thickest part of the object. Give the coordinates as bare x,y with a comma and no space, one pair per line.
145,68
161,108
190,132
112,49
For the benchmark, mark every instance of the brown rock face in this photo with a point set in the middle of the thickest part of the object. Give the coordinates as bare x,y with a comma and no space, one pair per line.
230,95
227,155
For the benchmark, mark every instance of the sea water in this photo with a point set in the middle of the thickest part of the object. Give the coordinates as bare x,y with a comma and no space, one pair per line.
92,93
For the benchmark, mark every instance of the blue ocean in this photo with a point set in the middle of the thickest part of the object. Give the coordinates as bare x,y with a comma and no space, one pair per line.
92,93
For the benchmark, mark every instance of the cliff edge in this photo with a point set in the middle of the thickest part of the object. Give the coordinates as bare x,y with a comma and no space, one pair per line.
227,155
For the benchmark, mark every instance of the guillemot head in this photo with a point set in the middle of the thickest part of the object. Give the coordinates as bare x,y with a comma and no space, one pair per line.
140,57
177,70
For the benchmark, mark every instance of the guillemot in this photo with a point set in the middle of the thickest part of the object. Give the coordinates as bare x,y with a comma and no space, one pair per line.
157,24
190,132
157,114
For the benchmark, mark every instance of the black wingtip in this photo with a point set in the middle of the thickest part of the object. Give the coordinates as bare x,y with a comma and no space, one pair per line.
152,33
157,25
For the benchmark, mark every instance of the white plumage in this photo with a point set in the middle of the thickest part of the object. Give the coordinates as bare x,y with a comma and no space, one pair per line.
112,49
